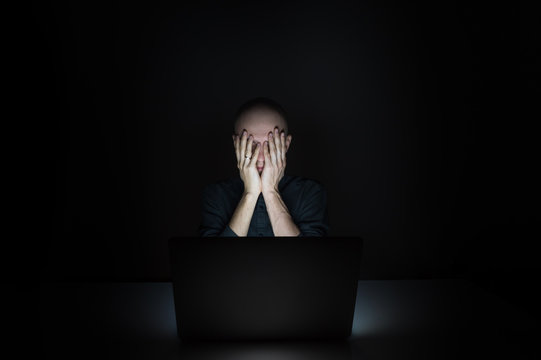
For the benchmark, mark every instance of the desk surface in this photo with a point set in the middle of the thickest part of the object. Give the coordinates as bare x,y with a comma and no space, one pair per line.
393,319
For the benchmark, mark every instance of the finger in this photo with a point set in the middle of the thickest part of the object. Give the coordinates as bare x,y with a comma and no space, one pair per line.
289,138
272,149
283,143
278,147
255,155
248,151
266,153
237,149
242,147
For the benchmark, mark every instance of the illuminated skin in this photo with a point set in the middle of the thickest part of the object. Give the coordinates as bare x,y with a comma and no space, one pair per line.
259,124
271,163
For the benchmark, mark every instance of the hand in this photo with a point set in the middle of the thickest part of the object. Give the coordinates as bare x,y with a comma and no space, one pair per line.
247,167
275,160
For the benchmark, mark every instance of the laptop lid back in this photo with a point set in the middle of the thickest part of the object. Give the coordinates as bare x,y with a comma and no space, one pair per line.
265,287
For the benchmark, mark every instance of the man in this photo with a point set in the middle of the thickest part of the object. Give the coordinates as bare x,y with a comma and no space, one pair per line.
263,201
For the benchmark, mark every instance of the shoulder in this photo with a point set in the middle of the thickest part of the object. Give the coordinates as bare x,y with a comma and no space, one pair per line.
306,181
224,185
306,184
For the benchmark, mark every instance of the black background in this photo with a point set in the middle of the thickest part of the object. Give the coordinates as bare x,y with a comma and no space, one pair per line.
417,117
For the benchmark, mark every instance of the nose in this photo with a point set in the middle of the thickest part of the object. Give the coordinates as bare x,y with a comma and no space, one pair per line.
261,156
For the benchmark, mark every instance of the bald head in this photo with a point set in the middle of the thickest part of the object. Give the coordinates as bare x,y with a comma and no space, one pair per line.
260,112
259,117
259,122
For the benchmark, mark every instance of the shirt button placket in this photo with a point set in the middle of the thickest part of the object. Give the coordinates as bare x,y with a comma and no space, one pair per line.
260,217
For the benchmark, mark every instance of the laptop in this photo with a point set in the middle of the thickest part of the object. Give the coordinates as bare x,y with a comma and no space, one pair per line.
264,288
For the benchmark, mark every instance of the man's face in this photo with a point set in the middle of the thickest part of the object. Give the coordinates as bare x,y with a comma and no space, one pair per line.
259,123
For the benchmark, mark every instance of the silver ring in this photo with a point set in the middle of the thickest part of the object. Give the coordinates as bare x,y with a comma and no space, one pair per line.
247,157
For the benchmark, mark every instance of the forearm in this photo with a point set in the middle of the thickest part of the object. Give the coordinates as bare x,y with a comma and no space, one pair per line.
240,222
281,221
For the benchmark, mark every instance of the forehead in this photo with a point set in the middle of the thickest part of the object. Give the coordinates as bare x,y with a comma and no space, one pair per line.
259,122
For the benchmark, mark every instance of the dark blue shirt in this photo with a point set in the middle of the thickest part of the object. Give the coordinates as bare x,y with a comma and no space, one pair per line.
306,201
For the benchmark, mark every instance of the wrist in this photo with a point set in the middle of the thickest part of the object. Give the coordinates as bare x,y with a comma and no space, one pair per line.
270,191
250,194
